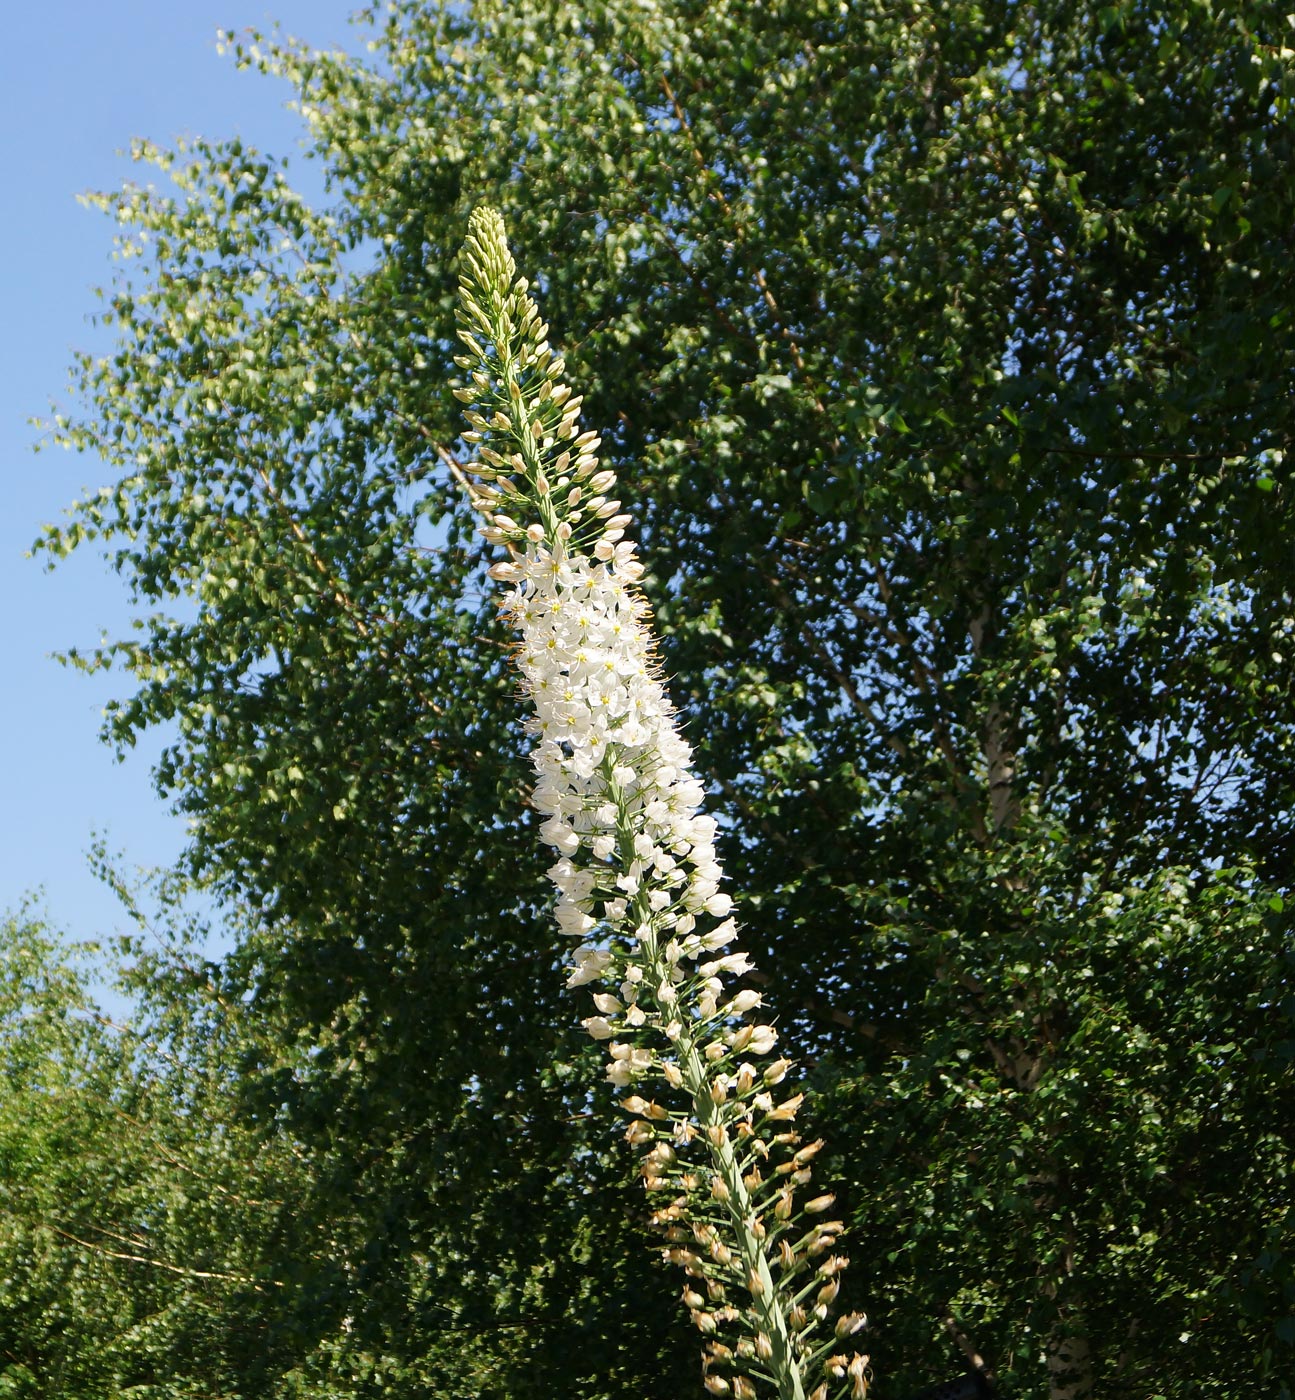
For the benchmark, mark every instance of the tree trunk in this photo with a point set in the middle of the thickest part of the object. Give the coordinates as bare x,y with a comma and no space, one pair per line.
1070,1365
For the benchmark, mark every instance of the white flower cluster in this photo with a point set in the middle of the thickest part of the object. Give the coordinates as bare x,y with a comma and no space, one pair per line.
621,806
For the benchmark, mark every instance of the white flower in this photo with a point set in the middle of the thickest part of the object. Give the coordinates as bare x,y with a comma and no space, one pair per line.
735,964
572,919
719,936
591,963
762,1040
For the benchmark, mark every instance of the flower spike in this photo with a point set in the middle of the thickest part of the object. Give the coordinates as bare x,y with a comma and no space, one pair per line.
637,874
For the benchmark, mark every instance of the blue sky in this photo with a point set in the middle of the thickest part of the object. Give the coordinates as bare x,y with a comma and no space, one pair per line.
78,80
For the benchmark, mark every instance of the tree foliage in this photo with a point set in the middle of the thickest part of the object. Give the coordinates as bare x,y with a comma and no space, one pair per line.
947,348
145,1223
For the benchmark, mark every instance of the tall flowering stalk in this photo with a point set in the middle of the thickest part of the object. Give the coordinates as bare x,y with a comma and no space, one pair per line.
637,876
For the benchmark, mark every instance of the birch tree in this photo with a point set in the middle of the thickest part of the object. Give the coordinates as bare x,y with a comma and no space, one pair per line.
947,351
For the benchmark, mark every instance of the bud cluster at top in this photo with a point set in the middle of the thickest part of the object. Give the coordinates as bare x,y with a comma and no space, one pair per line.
547,467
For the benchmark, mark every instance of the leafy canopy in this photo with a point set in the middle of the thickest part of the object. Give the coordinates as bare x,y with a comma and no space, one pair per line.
947,349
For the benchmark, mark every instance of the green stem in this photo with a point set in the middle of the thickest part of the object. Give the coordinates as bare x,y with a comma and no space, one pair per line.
782,1363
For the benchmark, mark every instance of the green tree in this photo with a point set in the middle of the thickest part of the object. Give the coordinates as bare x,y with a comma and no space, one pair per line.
137,1209
947,347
